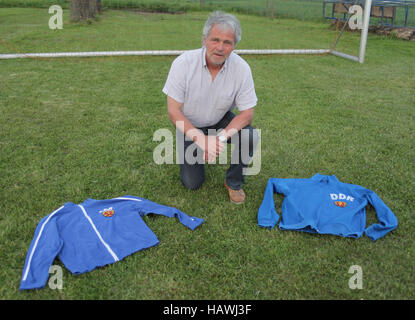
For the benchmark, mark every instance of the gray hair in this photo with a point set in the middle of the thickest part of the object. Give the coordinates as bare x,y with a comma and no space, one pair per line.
224,20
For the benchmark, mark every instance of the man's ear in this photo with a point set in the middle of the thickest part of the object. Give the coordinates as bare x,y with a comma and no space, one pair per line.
204,41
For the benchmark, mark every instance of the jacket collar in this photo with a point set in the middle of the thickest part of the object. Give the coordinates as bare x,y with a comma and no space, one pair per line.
325,178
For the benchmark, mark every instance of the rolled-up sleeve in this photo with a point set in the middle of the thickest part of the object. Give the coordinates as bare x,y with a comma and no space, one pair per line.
246,97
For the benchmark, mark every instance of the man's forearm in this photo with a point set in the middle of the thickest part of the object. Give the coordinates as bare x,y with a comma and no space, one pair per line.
183,124
240,121
210,145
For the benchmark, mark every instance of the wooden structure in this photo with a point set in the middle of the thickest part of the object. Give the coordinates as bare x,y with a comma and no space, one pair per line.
385,10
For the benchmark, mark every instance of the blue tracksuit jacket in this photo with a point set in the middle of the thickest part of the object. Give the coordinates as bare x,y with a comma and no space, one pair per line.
93,234
322,204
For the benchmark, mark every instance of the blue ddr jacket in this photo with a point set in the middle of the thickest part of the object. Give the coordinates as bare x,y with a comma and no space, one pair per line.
322,204
93,234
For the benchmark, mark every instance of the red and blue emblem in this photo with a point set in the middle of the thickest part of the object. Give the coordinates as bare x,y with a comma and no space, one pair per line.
107,212
340,204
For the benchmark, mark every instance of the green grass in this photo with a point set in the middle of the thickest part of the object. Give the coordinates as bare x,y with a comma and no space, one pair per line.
295,9
73,129
132,30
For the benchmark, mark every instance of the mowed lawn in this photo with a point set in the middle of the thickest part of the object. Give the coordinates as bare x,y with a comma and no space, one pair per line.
78,128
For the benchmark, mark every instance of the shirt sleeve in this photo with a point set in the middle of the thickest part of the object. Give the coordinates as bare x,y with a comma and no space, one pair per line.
43,249
146,207
246,97
175,86
267,214
387,220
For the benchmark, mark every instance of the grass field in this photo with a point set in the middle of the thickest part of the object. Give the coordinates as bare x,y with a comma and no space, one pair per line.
135,30
73,129
298,9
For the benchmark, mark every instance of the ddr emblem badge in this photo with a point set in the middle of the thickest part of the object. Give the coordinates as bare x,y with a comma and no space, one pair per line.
107,212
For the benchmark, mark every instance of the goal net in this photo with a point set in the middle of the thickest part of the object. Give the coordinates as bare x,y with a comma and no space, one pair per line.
45,28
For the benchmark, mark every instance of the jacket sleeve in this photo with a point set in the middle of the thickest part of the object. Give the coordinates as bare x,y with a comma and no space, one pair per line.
267,214
43,249
147,206
387,220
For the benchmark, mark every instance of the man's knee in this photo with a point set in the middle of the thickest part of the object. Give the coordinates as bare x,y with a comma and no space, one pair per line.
191,184
191,180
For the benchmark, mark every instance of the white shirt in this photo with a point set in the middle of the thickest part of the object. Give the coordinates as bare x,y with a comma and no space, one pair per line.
205,102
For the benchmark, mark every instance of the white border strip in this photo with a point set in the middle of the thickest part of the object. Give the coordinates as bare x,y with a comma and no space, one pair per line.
98,234
36,242
152,53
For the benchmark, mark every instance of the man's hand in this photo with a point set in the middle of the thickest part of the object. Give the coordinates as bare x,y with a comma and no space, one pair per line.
211,147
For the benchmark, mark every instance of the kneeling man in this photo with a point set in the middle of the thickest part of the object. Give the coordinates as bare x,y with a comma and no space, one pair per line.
202,88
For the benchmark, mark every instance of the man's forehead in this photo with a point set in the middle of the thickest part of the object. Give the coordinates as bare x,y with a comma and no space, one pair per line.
223,31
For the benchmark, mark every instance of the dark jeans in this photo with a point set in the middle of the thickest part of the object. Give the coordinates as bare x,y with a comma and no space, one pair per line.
193,175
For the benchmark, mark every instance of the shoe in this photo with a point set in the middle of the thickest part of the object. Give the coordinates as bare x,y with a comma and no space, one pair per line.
236,196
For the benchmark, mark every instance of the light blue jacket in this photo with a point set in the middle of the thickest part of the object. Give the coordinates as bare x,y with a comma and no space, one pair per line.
322,204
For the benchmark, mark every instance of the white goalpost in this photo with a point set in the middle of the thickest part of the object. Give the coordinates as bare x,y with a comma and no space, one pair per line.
363,37
363,20
365,29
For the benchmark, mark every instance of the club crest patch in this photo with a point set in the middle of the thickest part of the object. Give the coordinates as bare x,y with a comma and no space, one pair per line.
340,199
340,204
107,212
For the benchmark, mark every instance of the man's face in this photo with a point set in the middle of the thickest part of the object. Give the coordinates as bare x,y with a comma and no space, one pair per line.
219,45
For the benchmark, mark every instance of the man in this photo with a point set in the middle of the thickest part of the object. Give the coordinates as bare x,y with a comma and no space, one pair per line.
202,88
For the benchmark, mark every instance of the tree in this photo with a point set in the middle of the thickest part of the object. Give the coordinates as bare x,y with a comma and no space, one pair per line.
85,9
99,6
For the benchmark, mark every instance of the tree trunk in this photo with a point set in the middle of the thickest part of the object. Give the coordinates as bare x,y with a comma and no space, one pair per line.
83,9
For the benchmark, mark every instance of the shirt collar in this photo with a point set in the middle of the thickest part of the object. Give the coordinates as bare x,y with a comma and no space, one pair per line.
204,57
